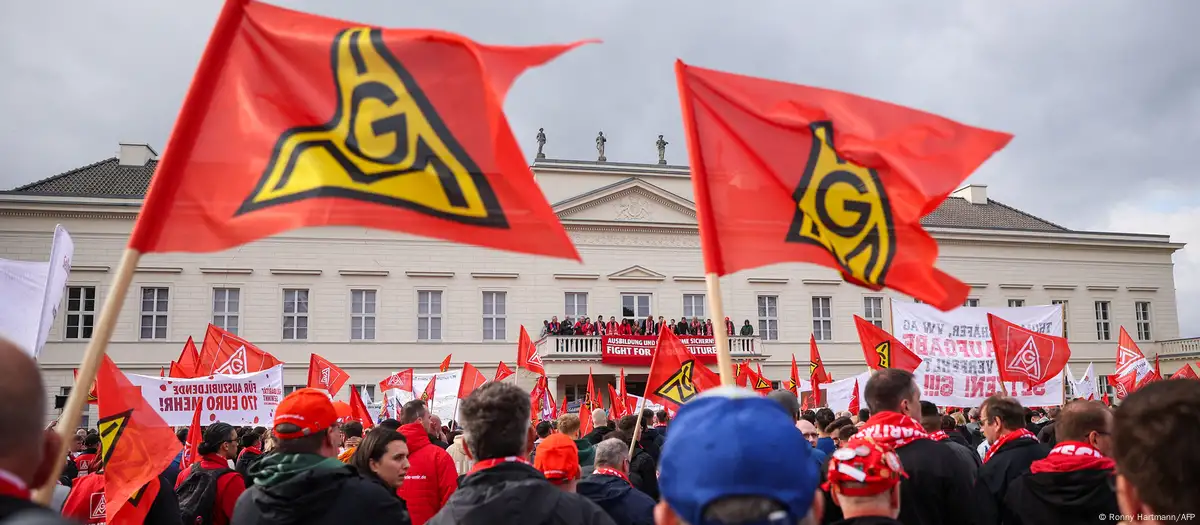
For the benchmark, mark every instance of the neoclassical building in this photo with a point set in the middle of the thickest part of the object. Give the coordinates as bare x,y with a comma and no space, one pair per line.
375,302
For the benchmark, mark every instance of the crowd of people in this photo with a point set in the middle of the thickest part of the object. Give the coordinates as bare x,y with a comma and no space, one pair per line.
730,456
648,325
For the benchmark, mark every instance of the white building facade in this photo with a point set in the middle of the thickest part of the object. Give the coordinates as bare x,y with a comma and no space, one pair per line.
375,302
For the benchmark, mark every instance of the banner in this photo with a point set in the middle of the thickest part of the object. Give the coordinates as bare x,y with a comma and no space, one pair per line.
32,292
445,394
960,366
246,399
636,350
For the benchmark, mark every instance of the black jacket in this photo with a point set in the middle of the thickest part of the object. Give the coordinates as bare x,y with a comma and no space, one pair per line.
333,496
1063,498
651,441
515,494
1008,463
623,504
597,435
244,461
869,520
643,473
1048,435
29,512
965,453
938,488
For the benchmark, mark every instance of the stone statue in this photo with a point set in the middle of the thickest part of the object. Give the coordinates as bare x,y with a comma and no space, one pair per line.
600,140
662,150
541,138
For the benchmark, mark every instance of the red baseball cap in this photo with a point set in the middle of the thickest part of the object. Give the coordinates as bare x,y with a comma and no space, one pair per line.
864,467
557,458
311,409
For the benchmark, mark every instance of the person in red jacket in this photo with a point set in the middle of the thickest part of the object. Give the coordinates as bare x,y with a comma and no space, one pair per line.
431,477
219,445
87,460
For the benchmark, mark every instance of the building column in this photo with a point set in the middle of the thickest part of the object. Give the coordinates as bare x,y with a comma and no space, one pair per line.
552,385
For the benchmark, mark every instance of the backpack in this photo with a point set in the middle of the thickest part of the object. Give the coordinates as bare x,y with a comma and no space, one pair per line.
198,495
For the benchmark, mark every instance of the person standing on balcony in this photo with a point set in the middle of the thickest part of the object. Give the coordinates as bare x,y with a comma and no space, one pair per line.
695,328
728,327
662,323
682,327
553,327
611,328
545,329
708,328
747,329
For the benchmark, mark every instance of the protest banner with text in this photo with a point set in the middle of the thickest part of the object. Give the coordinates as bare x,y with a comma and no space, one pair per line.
245,399
636,350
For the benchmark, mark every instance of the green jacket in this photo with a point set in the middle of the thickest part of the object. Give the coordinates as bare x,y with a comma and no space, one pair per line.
587,456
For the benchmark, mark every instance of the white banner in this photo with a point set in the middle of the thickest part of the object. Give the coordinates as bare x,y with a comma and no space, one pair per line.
246,399
445,394
839,393
960,365
32,292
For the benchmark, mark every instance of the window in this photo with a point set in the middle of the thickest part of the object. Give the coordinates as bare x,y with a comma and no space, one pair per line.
362,315
295,315
1103,325
225,308
1062,302
693,305
369,388
635,305
576,304
1016,303
493,316
154,313
429,315
822,318
1141,310
81,311
971,302
768,317
288,389
873,310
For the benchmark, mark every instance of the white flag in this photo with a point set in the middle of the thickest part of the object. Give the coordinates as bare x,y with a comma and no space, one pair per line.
1087,388
32,293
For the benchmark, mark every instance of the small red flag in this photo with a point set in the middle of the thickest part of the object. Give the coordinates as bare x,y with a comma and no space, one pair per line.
323,374
1024,355
225,353
427,394
346,124
1133,370
188,362
176,371
1157,371
675,375
445,366
537,398
402,380
358,409
790,173
586,425
92,398
502,372
882,350
853,408
1185,373
191,453
793,385
816,368
527,356
471,379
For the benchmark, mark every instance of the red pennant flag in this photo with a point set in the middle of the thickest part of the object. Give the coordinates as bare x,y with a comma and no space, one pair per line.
853,408
527,356
675,375
586,425
225,353
563,408
427,394
882,350
793,385
191,452
1185,373
755,380
402,380
162,371
1157,371
839,180
618,404
472,378
1133,370
445,366
188,362
590,399
816,368
92,398
1024,355
349,125
323,374
358,409
502,372
137,445
176,371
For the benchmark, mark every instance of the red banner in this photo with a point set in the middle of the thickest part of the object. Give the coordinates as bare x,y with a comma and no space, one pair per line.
636,350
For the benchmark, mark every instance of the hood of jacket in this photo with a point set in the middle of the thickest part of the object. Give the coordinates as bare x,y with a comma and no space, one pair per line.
957,437
603,489
415,436
292,488
1084,488
507,493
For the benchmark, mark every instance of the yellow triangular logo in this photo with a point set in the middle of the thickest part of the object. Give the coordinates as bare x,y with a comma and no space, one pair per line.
843,208
385,144
111,428
884,351
812,367
679,388
761,384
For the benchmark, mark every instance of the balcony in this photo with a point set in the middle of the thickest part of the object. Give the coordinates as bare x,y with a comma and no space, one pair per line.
587,348
1188,348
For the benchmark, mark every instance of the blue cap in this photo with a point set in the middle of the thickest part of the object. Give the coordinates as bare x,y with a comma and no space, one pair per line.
730,441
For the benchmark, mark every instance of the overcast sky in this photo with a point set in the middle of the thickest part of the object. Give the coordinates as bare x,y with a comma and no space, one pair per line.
1103,96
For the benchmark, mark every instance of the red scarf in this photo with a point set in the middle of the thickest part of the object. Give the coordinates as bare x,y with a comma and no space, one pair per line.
1006,439
605,471
485,464
253,450
1070,456
939,436
12,487
893,429
611,328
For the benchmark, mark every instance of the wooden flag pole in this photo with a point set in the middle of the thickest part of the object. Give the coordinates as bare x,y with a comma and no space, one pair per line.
721,337
637,429
96,349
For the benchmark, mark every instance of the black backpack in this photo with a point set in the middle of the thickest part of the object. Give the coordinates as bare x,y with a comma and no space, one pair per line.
198,495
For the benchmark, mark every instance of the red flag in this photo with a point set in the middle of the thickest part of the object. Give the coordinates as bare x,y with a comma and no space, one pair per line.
137,445
853,408
427,394
1104,399
675,376
536,398
563,408
1024,355
527,356
548,400
591,401
471,379
755,380
191,453
225,353
162,371
445,366
816,368
402,380
882,350
1132,368
790,173
502,372
1157,371
395,129
176,371
358,409
618,404
793,385
740,374
92,398
189,361
1185,373
323,374
586,425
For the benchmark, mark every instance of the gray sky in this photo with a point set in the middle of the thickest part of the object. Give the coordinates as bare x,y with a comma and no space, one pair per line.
1102,95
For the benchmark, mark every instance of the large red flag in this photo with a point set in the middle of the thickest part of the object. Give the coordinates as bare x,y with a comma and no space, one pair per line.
790,173
137,446
358,409
1185,372
1133,370
471,379
527,356
618,404
675,375
191,452
1024,355
882,350
225,353
323,374
402,380
188,362
345,124
502,372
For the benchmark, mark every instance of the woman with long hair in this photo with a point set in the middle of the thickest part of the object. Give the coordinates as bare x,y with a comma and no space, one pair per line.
382,457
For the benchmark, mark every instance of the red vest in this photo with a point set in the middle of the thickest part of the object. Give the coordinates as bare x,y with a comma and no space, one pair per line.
86,501
85,463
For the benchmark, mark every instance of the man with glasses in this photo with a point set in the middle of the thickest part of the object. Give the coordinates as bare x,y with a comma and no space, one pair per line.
1013,449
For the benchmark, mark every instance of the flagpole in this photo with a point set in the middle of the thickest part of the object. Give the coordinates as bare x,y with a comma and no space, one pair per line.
721,337
92,356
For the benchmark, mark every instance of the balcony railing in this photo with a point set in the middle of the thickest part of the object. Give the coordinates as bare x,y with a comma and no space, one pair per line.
1189,346
584,346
